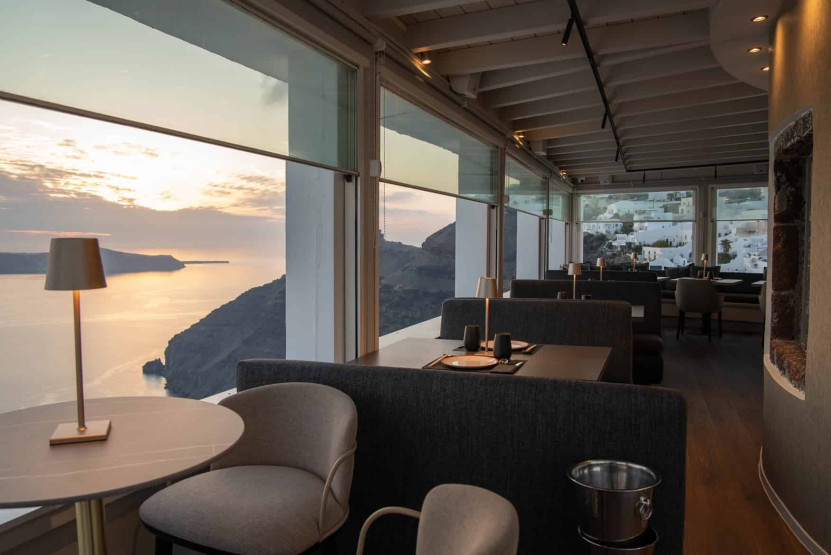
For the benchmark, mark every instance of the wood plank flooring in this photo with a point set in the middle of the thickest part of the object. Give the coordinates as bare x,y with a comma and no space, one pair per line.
726,509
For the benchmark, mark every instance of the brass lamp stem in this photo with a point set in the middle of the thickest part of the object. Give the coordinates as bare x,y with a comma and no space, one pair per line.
79,372
574,296
487,320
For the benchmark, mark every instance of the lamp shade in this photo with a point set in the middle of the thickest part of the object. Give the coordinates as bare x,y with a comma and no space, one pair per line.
601,262
574,269
704,257
74,264
486,288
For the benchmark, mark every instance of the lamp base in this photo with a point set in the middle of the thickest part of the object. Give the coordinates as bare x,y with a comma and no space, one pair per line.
97,430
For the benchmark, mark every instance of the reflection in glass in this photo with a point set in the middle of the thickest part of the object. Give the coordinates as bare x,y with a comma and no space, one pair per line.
526,190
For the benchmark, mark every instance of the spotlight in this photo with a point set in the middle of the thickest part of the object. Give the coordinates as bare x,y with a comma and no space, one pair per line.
766,68
567,32
603,123
759,18
424,58
754,50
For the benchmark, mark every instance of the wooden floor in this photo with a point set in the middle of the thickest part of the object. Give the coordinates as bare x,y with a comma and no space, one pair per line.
727,511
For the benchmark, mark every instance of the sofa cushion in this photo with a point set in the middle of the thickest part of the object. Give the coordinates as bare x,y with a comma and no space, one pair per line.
647,343
675,273
716,270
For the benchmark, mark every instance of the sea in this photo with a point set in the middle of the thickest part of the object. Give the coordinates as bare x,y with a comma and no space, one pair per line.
123,326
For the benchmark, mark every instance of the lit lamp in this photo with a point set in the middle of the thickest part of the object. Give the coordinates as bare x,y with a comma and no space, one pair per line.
704,260
486,289
634,261
601,263
75,264
575,270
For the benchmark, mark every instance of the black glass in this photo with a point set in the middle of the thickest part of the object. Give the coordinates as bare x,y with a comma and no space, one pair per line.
502,345
472,337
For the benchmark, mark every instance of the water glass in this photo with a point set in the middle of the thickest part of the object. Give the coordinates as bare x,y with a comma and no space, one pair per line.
502,345
561,295
472,338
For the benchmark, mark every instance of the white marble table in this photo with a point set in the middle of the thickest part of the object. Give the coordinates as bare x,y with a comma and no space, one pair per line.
152,440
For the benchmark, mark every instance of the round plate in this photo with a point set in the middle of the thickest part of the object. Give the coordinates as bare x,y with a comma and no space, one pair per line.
515,345
469,362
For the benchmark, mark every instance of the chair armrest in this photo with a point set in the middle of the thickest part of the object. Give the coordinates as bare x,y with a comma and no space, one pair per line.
378,514
327,488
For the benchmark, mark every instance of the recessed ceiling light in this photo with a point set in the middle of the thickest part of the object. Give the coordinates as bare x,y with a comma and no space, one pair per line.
754,50
424,57
759,18
766,68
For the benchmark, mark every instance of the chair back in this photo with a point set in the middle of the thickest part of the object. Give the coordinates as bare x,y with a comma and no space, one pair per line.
697,296
553,322
640,293
299,425
458,519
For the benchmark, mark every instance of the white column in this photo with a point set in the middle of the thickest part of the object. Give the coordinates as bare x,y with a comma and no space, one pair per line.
471,245
314,263
527,246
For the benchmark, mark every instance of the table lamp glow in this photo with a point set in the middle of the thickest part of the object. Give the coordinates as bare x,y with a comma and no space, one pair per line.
486,289
575,270
634,261
75,265
601,263
704,260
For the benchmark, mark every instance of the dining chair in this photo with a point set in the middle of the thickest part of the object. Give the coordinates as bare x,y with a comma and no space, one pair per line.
282,489
458,519
698,296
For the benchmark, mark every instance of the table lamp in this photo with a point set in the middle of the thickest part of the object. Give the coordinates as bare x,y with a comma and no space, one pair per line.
74,265
704,260
601,263
575,270
634,261
486,289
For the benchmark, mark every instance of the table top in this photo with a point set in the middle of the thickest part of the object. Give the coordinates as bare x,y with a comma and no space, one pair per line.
562,362
663,278
759,283
152,439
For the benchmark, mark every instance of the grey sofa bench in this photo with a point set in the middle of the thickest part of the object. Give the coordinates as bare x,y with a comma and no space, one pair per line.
608,275
512,435
647,344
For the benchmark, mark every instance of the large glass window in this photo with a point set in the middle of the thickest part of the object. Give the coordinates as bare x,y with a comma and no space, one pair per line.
202,67
212,253
436,183
527,202
741,229
419,149
656,225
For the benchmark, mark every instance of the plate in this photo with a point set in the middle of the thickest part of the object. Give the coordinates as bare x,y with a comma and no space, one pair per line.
469,362
515,345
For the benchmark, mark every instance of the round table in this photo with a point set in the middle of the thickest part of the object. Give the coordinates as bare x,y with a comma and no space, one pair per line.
152,440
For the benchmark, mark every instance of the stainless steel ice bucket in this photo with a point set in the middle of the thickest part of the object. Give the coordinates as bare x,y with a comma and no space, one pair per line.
642,545
614,498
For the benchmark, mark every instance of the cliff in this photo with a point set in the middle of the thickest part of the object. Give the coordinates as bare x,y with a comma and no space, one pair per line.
202,360
115,262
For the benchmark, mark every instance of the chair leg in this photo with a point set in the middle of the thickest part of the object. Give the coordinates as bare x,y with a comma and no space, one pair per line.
719,324
163,546
329,546
680,324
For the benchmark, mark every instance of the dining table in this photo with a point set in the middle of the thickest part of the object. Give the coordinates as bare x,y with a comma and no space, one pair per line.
563,362
719,283
153,440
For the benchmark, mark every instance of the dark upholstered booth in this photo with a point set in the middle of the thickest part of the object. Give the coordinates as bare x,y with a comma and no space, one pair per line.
515,436
600,323
742,293
647,345
607,275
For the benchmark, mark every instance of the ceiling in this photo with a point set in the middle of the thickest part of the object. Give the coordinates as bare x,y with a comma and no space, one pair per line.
682,87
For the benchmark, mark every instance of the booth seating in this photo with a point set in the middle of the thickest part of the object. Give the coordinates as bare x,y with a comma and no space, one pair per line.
555,322
516,436
607,275
744,293
647,344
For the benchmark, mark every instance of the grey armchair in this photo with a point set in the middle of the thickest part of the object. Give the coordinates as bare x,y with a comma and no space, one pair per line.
282,489
458,519
698,296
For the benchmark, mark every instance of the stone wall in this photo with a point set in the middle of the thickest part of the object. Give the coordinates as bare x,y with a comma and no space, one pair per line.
793,149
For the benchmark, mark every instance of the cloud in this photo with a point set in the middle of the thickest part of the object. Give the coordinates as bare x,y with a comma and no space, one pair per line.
56,233
129,149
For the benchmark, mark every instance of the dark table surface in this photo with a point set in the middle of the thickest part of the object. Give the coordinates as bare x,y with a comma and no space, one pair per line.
563,362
